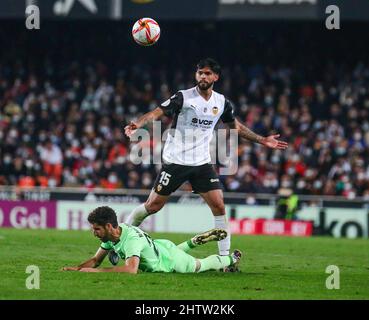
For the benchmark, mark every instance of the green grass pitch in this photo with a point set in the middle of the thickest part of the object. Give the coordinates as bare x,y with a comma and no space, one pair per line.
272,268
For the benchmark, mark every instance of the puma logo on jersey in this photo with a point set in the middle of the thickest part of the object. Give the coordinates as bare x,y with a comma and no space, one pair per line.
214,180
202,121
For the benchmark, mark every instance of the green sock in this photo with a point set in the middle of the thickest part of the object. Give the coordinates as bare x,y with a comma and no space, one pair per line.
215,262
186,246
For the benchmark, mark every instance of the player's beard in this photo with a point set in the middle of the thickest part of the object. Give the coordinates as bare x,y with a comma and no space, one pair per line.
203,86
104,238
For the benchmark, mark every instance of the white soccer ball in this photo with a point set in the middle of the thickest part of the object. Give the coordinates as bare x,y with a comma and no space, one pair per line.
146,31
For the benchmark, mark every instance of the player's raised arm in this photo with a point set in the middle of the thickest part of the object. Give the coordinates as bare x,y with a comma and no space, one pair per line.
246,133
93,262
169,107
147,117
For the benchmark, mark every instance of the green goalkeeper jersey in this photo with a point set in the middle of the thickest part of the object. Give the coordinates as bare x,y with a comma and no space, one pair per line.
155,255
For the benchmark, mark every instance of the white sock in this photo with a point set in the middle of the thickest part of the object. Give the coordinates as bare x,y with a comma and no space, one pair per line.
137,216
224,245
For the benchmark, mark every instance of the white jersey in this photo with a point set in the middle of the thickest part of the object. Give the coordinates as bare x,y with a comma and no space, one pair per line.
194,120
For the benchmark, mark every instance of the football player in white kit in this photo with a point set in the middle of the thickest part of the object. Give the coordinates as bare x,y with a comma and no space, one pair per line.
195,113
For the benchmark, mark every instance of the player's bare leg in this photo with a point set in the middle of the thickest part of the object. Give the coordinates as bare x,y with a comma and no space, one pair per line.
152,205
202,238
214,199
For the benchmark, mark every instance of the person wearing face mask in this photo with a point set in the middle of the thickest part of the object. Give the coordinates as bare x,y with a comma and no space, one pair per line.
112,182
5,168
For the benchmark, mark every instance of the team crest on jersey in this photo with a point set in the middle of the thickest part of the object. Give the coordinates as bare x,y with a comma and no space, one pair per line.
159,187
205,110
215,110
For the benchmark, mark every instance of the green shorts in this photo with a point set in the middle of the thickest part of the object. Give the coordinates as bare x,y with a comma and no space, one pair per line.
173,259
184,263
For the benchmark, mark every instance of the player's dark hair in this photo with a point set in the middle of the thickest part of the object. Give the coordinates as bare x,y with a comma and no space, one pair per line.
211,64
102,216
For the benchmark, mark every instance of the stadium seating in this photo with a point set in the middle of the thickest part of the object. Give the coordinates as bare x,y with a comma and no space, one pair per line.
61,115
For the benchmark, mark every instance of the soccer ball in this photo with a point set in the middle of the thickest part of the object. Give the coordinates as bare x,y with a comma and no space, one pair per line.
146,31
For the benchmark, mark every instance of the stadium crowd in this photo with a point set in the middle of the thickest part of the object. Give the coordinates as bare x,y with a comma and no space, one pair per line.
61,122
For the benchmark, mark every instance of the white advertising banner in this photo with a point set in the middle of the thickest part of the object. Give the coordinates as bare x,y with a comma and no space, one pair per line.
197,217
190,218
72,215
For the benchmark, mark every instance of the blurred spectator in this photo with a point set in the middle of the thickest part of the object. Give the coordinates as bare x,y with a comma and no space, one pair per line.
52,160
287,205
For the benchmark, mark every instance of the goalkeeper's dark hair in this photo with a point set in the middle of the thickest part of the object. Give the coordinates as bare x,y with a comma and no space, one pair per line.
211,64
102,216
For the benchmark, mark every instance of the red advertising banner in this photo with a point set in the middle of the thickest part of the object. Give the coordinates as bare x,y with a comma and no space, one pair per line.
272,227
28,214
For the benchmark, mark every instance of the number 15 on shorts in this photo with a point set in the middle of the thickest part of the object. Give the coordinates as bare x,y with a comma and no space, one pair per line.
164,178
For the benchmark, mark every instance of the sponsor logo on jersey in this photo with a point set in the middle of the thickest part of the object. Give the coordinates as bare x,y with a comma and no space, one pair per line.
215,110
202,121
214,180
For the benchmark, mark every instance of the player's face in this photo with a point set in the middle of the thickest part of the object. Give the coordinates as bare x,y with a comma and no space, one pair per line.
205,78
100,232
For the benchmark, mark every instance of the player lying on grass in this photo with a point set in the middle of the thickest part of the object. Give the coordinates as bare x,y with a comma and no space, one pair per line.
142,253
